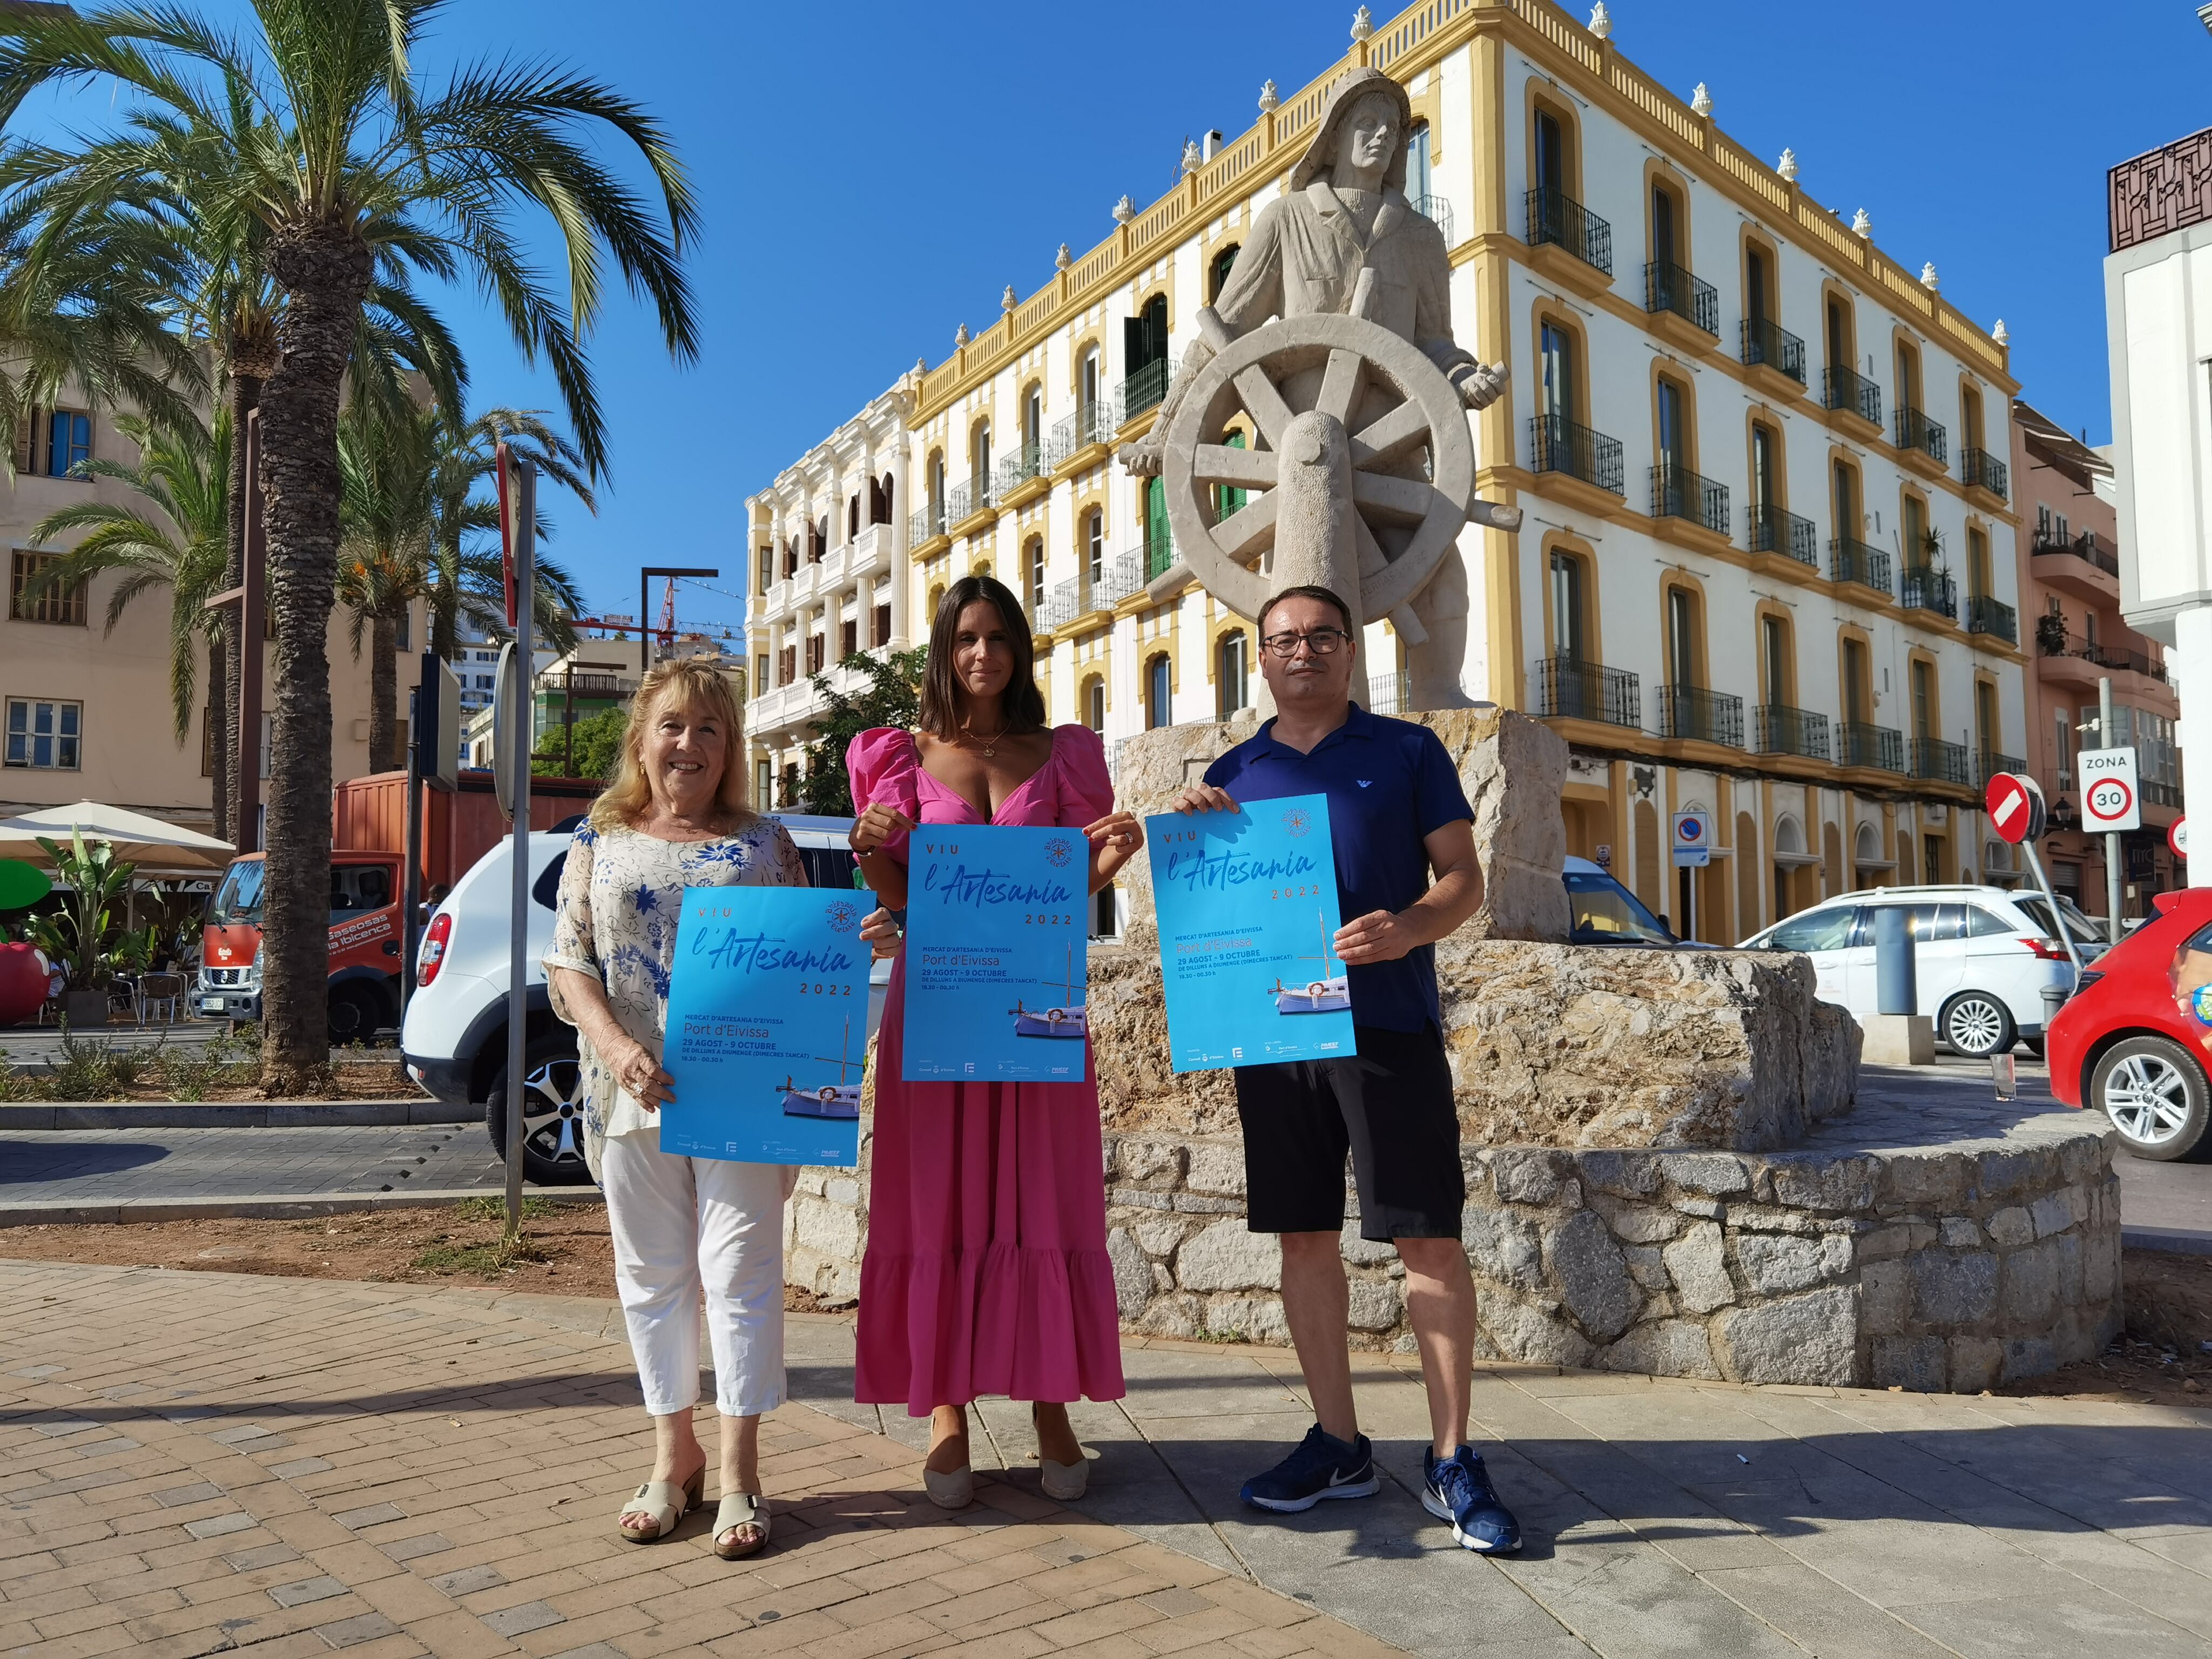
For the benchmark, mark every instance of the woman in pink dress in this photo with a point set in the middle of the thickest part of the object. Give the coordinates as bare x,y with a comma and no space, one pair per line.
986,1270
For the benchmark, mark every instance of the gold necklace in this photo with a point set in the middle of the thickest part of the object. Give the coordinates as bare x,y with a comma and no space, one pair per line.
989,745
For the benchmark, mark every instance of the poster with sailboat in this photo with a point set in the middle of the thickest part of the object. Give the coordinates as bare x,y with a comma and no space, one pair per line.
768,1026
1248,910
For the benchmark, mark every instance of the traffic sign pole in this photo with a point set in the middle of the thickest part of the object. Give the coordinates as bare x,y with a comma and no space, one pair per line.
2112,838
2058,917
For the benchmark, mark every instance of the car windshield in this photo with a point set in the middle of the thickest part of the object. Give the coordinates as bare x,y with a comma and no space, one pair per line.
2085,932
1606,913
239,899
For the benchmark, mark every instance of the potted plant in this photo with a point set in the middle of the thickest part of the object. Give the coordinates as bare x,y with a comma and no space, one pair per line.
75,938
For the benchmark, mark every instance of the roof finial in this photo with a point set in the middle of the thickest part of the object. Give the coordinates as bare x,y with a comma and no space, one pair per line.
1125,210
1928,277
1193,156
1701,101
1787,167
1860,224
1268,101
1063,259
1600,23
1999,335
960,336
1006,301
1363,24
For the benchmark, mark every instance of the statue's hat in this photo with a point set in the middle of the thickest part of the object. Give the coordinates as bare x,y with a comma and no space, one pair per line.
1343,97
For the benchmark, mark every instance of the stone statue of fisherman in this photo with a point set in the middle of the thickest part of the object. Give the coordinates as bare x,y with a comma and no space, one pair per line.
1343,217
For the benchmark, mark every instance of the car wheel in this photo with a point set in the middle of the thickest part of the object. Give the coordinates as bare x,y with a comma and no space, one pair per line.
2033,1045
1975,1024
552,1114
356,1013
2154,1093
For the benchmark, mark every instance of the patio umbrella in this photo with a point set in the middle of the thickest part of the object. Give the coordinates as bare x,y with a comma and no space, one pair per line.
150,842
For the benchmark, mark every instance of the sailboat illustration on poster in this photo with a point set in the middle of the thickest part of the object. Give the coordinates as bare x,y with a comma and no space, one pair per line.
1069,1018
1329,994
840,1100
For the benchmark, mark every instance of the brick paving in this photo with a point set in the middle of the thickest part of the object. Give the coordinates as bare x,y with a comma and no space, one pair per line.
194,1464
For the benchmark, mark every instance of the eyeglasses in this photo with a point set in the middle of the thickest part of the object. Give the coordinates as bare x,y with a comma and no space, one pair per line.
1322,642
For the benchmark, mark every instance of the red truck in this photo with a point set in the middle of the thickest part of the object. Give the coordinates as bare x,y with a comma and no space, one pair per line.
369,828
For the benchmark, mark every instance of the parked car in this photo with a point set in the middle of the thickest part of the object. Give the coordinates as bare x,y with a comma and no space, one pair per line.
1606,913
1984,956
2132,1042
452,1039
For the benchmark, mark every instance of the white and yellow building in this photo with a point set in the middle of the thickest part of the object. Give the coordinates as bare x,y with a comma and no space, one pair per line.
1766,567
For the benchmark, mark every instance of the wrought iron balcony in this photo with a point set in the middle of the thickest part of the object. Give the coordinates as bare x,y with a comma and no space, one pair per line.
1984,471
1159,552
1853,560
2054,644
1786,731
1118,580
1437,210
1875,746
1770,345
1144,390
1571,690
1559,446
2156,793
1556,218
1939,762
1058,607
1916,431
965,498
2082,544
1679,493
1927,589
1016,468
1093,423
1850,392
1987,616
1691,711
1777,529
1669,287
1388,694
1989,762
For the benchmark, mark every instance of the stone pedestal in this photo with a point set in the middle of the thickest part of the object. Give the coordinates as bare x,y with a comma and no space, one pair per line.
1899,1040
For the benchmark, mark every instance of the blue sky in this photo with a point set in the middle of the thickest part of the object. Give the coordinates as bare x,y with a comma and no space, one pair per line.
872,174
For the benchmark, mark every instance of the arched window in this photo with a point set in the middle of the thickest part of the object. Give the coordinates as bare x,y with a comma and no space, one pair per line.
1094,703
1032,430
1094,546
937,492
1232,670
979,464
1417,165
936,598
1865,857
1217,274
1159,693
1033,558
1087,407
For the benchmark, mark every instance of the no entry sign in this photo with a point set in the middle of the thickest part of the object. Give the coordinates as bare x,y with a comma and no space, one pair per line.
2110,800
2177,838
2015,807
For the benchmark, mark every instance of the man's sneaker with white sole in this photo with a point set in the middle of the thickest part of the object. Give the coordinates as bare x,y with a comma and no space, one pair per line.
1458,1490
1322,1466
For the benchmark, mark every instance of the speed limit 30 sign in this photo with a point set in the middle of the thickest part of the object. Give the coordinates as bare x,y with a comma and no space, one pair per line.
2110,797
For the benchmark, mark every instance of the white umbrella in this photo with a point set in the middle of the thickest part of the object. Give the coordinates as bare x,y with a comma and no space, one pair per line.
137,838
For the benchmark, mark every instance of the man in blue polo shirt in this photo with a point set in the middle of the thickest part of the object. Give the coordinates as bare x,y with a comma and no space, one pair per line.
1396,812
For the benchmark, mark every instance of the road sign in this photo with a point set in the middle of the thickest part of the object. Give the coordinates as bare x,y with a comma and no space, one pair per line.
1692,843
2110,798
2015,807
2177,838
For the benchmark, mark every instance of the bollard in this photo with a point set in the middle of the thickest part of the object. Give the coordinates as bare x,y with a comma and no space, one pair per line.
2054,999
1896,988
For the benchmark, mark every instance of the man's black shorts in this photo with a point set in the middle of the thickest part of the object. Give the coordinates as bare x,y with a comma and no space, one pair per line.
1390,1106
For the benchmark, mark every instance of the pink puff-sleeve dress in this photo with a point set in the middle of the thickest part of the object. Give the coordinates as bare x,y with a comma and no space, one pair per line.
985,1270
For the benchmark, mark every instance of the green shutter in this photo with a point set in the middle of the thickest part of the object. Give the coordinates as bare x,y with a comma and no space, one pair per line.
1159,542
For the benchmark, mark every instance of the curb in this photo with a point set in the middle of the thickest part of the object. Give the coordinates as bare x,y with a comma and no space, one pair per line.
2152,1238
261,1208
239,1114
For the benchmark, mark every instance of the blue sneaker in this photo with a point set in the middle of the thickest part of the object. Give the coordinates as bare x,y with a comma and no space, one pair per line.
1458,1491
1322,1466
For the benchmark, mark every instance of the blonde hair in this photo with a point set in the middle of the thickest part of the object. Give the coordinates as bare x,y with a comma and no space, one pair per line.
687,682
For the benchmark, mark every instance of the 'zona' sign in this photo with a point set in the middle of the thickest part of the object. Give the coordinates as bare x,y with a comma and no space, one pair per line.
2110,797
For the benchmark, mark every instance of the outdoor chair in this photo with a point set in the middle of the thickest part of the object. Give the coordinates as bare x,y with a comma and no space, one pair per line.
163,991
123,998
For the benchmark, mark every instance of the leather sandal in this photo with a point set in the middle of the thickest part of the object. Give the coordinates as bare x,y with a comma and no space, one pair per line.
666,1502
738,1509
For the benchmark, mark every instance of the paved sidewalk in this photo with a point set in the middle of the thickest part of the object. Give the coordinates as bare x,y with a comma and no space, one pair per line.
107,1166
191,1461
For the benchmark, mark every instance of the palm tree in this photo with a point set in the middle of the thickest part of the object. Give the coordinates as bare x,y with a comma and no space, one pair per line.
469,581
334,138
179,541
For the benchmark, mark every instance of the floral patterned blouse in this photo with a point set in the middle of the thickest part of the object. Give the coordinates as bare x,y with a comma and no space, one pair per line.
616,920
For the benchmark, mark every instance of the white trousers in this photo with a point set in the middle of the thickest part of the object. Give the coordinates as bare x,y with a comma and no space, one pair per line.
685,1225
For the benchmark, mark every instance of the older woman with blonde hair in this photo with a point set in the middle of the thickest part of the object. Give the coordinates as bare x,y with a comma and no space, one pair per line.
675,817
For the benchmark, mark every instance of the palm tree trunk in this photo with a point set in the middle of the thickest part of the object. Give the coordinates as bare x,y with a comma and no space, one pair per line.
250,362
218,700
324,269
383,693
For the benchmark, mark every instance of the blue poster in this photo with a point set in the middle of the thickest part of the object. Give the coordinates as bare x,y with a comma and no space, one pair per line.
1247,906
996,927
768,1026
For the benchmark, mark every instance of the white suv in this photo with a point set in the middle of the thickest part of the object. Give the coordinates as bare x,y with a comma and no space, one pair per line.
1983,957
452,1037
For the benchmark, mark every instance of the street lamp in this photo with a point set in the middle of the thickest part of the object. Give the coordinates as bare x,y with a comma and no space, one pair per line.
2062,816
644,581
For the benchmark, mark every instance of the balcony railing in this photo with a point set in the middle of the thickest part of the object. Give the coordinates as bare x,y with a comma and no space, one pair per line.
1569,689
1556,218
2082,544
1938,761
1850,392
2105,656
1437,210
1144,390
1989,762
1786,731
1388,694
1159,552
970,496
1118,580
1093,423
1777,529
1927,589
1875,746
1016,468
1679,493
1993,617
1691,711
1058,607
1670,288
1916,431
1774,347
1982,470
1557,445
1851,561
2156,793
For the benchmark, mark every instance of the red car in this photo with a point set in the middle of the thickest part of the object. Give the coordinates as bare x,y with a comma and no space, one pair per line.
2135,1040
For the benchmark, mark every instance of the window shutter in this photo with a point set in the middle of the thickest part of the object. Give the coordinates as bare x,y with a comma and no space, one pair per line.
1133,344
23,430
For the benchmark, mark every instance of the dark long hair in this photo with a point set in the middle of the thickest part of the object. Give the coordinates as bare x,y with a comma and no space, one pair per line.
1021,703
